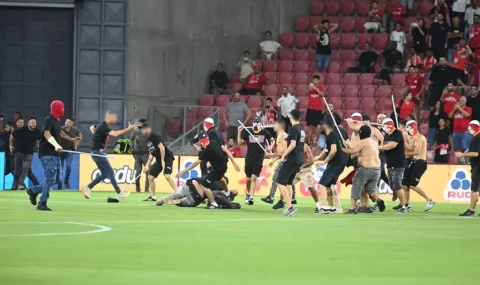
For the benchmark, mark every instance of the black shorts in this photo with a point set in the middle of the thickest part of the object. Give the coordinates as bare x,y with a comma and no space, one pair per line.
475,187
413,172
287,173
212,176
314,117
253,167
157,167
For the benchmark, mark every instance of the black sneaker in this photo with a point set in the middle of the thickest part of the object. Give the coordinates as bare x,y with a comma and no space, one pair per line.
468,213
43,207
268,200
280,204
32,196
251,201
365,210
294,202
396,208
380,205
150,199
351,212
402,210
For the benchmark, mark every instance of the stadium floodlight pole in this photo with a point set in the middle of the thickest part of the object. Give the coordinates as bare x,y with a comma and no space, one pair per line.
92,154
333,118
395,111
254,137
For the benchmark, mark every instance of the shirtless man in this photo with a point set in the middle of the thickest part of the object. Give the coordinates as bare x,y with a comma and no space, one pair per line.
368,172
416,153
305,174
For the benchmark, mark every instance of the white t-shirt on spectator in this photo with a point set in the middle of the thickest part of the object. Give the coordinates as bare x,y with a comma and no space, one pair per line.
400,38
246,68
287,104
460,6
270,46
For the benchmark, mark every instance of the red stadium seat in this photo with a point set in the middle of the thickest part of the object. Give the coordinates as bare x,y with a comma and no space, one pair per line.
302,23
351,102
347,8
334,40
290,87
236,87
348,55
301,66
332,8
207,100
359,24
337,102
351,91
272,77
222,125
366,79
312,39
300,54
271,90
333,19
409,21
287,40
174,126
222,100
321,75
301,90
315,21
348,113
380,41
398,93
301,40
312,68
424,7
350,79
385,104
368,104
235,78
259,63
285,78
347,64
204,113
270,66
311,55
398,79
336,55
285,54
384,91
349,41
285,66
363,8
334,91
301,78
372,114
362,39
255,101
347,23
334,67
316,8
191,113
303,104
333,79
367,91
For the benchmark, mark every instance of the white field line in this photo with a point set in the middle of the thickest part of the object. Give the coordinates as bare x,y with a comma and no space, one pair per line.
100,229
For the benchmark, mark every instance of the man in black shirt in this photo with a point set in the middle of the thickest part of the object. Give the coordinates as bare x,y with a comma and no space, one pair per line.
441,75
394,147
24,142
366,61
293,159
74,139
438,37
219,81
257,141
163,160
473,101
474,155
324,48
99,140
393,62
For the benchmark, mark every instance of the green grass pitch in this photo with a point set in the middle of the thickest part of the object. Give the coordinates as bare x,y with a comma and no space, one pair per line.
92,242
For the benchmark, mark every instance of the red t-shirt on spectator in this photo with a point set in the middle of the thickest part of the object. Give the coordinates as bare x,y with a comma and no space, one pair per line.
449,101
397,12
429,63
414,83
460,122
255,81
477,68
406,109
315,101
235,151
376,14
461,57
475,36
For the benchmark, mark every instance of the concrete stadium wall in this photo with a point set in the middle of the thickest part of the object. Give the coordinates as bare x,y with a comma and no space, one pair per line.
172,45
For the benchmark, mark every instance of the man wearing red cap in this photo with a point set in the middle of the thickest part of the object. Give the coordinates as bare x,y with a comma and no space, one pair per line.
473,154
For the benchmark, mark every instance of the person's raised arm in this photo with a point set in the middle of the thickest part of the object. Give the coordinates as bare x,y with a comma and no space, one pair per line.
63,135
124,131
333,27
92,129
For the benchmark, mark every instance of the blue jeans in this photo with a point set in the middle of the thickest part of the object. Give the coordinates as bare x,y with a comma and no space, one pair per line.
51,172
323,60
407,3
65,157
432,135
461,141
450,55
106,171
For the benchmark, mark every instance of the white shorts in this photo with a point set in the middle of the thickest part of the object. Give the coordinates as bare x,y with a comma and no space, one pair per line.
268,55
372,25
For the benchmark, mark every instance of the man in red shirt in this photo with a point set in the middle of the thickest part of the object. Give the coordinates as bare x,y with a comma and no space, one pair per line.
254,83
474,42
396,13
461,58
461,115
233,148
414,81
314,110
449,99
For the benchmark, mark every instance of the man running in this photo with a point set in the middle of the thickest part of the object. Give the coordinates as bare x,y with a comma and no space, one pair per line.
255,154
368,172
416,152
163,160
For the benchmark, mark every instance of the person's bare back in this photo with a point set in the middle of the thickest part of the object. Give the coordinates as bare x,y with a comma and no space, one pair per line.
369,154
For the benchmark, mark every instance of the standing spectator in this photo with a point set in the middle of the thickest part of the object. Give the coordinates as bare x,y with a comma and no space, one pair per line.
461,58
440,9
449,98
366,61
234,112
245,66
65,157
254,83
438,37
406,107
414,81
459,7
374,24
399,36
441,75
140,155
268,114
428,62
419,34
414,61
233,148
461,115
219,81
286,103
470,12
393,62
474,35
269,47
314,110
473,101
396,13
435,115
443,142
408,4
324,49
455,34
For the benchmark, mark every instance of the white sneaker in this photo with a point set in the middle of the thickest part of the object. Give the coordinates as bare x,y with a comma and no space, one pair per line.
429,205
86,192
123,195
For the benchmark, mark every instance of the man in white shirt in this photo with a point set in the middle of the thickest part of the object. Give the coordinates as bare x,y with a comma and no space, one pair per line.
459,7
470,12
286,103
269,47
245,66
398,35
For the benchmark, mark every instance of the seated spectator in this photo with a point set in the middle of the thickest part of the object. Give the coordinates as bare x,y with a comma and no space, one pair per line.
245,66
461,58
441,75
234,112
219,81
398,36
473,101
269,47
286,103
455,34
438,37
419,34
443,142
441,8
406,107
254,83
322,138
324,48
373,25
233,147
459,7
396,13
474,36
461,115
414,81
433,121
470,12
393,62
366,61
268,113
414,61
428,62
449,99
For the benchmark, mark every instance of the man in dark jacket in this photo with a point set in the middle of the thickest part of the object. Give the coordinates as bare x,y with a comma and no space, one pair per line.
140,153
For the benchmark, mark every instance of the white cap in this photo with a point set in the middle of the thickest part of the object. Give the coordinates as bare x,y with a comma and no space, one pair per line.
209,120
474,122
410,122
356,115
387,120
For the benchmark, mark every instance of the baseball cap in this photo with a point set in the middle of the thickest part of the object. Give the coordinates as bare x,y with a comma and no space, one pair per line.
295,113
